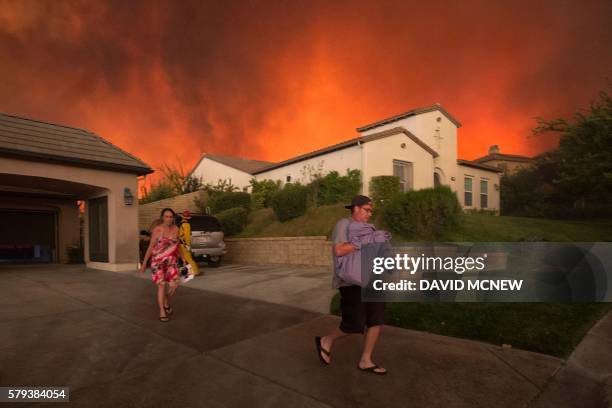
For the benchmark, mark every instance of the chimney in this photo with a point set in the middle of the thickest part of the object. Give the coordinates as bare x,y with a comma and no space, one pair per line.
494,149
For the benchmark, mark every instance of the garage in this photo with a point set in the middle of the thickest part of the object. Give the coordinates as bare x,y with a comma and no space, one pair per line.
66,195
28,236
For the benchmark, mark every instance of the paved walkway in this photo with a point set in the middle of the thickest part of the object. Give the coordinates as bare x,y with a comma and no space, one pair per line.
98,333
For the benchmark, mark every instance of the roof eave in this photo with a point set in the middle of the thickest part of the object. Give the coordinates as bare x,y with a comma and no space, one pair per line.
140,171
405,115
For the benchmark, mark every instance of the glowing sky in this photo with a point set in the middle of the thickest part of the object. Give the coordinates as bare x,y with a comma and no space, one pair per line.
272,79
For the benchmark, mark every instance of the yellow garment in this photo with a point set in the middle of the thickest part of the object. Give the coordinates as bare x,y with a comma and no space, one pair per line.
185,246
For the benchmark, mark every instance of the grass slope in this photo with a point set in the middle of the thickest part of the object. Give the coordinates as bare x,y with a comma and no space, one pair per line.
473,227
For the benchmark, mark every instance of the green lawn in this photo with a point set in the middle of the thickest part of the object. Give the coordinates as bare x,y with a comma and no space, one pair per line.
550,328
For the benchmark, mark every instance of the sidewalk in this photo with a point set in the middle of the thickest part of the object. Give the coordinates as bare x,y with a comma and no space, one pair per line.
97,332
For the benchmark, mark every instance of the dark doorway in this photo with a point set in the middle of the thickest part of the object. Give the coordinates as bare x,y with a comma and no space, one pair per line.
98,229
27,236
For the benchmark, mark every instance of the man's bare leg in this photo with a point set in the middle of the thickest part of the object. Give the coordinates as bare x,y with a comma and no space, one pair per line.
328,341
371,337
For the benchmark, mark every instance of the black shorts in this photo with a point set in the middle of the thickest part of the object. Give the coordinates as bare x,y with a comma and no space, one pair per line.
357,315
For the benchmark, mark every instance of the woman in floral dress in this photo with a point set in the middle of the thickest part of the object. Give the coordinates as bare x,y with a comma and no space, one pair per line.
164,253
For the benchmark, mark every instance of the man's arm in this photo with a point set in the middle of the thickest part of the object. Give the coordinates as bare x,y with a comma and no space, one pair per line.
344,248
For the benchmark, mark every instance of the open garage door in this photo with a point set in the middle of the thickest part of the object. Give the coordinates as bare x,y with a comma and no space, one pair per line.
27,236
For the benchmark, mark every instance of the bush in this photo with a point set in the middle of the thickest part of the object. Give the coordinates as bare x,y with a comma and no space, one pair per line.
426,213
233,220
334,188
383,188
224,201
290,202
263,191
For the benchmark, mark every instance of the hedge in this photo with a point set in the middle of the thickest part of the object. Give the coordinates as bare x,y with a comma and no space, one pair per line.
424,214
290,202
383,188
224,201
233,220
334,188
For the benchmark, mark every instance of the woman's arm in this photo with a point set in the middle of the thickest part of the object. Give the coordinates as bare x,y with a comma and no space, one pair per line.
154,237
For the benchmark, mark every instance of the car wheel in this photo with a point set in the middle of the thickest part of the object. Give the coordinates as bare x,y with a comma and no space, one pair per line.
214,261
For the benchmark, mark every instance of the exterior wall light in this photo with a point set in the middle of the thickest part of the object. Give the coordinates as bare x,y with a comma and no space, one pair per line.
128,197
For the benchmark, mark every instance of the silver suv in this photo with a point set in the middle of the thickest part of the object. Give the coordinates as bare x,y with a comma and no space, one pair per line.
207,239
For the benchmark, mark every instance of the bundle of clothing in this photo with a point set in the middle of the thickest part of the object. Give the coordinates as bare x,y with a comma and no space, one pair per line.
370,244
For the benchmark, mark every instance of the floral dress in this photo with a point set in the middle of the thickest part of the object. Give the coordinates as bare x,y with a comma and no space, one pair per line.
164,262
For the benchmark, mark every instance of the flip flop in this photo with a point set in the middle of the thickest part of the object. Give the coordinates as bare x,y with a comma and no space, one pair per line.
321,349
372,370
164,318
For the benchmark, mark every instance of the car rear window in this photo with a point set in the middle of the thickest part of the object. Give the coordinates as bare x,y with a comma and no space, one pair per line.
204,223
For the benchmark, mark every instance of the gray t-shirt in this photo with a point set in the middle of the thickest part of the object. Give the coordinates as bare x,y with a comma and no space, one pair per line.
339,236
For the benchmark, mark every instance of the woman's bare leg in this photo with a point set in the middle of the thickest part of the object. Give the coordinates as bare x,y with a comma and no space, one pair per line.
172,286
161,298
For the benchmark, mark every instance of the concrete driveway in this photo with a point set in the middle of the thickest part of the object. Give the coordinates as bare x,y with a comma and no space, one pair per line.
98,333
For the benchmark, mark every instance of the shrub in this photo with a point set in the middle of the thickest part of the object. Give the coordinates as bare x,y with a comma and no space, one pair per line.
157,191
383,188
334,188
426,213
290,202
224,201
232,220
263,191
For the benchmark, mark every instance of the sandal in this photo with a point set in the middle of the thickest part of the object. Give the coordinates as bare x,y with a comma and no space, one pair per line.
164,318
372,370
168,310
321,349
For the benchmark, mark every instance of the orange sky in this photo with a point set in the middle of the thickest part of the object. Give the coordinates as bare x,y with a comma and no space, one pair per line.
270,79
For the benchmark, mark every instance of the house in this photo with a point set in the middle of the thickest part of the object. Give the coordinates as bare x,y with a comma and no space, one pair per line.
507,163
418,146
212,168
48,174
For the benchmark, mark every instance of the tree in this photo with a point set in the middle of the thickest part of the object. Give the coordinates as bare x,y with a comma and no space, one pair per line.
583,161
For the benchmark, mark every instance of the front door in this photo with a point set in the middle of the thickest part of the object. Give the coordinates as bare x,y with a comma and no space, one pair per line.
98,229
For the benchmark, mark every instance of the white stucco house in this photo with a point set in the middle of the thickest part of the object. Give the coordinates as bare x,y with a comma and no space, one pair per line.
418,146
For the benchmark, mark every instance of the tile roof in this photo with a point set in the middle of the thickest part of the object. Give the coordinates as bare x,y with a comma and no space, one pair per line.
503,156
33,139
413,112
246,165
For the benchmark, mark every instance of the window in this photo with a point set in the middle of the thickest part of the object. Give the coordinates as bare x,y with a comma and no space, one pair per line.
403,170
467,198
484,193
288,179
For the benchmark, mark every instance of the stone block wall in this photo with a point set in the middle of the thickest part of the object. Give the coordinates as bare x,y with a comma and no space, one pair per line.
150,211
311,251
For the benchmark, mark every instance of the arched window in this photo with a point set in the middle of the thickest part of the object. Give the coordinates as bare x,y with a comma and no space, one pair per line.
437,182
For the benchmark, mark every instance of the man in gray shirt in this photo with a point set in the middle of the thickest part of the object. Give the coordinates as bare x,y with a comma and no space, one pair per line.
357,316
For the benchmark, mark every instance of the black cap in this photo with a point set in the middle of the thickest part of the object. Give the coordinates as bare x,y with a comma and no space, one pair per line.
358,201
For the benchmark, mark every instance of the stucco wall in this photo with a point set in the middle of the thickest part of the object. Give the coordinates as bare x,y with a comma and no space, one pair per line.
379,155
314,251
122,219
477,174
511,166
149,212
212,171
340,161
